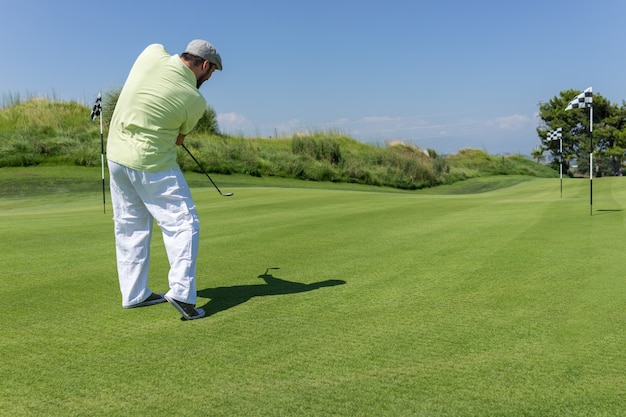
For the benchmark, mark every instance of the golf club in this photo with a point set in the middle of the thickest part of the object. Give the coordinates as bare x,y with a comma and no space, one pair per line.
206,173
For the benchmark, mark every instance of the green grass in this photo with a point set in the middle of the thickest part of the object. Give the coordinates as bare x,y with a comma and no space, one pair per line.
493,297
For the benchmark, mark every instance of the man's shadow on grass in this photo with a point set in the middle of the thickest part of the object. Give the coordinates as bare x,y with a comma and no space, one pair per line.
223,298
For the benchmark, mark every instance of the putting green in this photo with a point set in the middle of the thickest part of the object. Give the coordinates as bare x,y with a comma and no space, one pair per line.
328,300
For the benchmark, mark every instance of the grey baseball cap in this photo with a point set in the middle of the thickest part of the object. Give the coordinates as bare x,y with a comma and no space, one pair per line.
205,50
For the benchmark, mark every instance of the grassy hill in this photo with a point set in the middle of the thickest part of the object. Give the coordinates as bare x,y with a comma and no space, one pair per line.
43,132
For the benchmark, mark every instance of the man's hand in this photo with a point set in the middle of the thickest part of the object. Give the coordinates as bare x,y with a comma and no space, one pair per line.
180,139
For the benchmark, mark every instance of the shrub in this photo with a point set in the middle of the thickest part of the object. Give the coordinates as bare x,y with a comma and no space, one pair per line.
321,149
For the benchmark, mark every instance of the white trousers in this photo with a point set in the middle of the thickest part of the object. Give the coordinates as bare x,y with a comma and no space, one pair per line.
139,198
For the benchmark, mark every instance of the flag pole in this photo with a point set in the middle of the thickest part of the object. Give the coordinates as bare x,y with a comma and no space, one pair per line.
585,99
104,204
591,160
561,161
95,112
552,136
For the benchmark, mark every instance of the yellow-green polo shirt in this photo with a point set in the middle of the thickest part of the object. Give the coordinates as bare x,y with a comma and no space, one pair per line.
158,102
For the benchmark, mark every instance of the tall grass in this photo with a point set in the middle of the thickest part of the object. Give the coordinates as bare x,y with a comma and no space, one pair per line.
39,131
319,157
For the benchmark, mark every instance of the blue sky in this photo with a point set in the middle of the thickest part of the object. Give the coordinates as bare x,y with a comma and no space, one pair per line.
445,74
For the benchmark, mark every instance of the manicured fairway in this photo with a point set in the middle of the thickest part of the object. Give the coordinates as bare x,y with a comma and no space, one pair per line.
328,300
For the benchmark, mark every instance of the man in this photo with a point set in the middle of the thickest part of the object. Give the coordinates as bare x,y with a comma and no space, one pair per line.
157,107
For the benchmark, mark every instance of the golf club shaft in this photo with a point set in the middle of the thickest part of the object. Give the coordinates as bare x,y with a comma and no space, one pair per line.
203,170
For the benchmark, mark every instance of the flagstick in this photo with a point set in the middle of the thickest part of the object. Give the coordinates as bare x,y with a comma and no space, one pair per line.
591,160
585,99
561,163
104,205
553,135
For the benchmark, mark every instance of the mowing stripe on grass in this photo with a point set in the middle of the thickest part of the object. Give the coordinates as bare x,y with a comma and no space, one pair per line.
327,302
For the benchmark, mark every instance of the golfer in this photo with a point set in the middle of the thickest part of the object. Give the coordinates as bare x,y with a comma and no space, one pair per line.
158,106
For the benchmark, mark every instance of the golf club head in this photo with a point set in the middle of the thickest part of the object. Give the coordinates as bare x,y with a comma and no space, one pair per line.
227,194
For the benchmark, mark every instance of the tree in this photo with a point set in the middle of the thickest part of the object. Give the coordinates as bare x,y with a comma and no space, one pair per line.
208,122
537,153
609,132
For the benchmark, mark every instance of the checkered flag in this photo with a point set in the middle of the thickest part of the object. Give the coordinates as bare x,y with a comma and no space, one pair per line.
581,101
555,134
97,107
